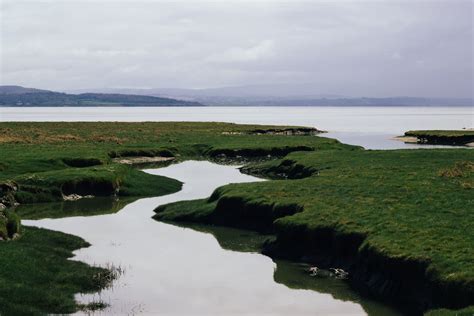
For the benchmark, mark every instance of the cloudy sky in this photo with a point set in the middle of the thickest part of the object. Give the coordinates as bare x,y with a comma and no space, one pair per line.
357,48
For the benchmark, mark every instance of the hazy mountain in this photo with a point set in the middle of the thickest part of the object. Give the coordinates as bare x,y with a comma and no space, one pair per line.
18,90
282,95
19,96
249,91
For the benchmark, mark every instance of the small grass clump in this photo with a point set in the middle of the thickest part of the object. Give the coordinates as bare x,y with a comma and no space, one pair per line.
9,225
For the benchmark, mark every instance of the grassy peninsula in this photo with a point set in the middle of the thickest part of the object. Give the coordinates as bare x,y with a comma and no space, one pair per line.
399,221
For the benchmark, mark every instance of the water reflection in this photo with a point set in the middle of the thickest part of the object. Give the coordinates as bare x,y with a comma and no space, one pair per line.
291,274
182,271
82,207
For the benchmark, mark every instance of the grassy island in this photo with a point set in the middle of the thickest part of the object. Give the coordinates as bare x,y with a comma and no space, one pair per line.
443,137
399,221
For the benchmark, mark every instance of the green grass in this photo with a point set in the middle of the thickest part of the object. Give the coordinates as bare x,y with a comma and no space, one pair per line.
49,160
9,224
45,161
468,311
37,276
410,206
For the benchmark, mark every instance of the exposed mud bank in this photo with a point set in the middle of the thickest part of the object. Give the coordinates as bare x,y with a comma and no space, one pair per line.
402,281
406,282
291,131
253,154
239,213
297,131
97,187
141,161
286,169
227,211
82,162
140,153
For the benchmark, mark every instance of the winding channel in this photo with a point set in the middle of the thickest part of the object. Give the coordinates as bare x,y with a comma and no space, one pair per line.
171,270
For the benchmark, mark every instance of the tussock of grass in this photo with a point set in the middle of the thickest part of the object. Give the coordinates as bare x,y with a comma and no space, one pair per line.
9,225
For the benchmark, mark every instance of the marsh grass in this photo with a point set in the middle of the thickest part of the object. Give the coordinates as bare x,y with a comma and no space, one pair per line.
38,276
406,205
49,160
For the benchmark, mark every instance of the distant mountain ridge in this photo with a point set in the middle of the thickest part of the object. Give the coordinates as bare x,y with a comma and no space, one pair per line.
228,96
276,95
20,96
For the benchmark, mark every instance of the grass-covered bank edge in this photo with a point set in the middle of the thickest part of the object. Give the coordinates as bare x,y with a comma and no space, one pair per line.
37,276
443,137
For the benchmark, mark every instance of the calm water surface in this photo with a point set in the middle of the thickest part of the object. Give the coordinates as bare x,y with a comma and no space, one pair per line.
371,127
171,270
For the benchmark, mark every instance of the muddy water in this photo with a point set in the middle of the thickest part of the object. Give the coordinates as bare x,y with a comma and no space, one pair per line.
172,270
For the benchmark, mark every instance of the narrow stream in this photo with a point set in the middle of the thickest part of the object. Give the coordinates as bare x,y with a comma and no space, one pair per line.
172,270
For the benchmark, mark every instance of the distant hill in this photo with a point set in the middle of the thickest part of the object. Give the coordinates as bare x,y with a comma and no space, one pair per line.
283,95
229,96
20,96
18,90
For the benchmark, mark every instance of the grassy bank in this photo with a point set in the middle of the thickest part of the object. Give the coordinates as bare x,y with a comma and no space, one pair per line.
37,277
52,162
44,162
399,221
443,137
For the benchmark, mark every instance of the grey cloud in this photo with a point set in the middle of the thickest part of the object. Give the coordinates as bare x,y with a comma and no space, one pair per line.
371,48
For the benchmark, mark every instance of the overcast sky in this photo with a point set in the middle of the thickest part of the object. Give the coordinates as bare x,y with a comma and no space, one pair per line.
357,48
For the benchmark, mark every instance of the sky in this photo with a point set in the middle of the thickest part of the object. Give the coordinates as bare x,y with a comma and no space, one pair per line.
353,48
